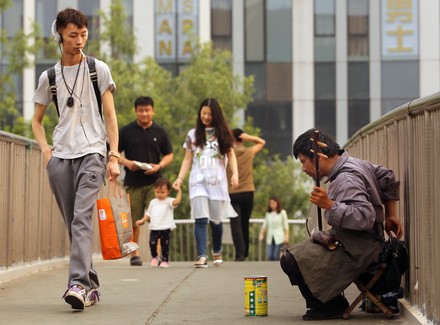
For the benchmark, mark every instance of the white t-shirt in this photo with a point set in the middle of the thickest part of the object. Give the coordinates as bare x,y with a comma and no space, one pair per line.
80,129
208,171
161,213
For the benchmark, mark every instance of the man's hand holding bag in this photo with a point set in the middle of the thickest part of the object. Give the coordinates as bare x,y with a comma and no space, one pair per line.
115,224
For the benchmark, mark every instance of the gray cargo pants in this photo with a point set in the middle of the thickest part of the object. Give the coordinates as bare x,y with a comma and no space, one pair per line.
75,184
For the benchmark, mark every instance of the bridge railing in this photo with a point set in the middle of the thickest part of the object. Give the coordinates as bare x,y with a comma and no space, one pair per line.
407,140
32,229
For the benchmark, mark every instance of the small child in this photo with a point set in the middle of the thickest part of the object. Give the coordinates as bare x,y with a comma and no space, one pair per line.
160,215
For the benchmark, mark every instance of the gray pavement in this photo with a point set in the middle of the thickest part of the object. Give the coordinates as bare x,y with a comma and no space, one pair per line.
180,294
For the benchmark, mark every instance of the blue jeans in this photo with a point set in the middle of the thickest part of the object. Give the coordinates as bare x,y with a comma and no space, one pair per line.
200,233
273,251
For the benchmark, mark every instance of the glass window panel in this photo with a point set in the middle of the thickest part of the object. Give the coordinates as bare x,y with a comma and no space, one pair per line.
325,49
279,30
358,115
389,104
325,7
357,7
325,80
221,17
12,18
254,30
400,83
358,80
358,28
257,70
324,17
358,47
400,79
279,81
325,116
222,43
90,9
45,13
275,121
221,24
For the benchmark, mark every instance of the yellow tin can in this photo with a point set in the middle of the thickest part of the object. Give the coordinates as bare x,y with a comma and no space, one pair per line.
255,295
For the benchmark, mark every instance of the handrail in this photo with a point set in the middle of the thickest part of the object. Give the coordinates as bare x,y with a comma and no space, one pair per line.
407,140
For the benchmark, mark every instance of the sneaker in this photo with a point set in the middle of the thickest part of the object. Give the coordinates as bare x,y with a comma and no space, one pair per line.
164,264
217,259
154,262
75,296
201,262
135,261
92,297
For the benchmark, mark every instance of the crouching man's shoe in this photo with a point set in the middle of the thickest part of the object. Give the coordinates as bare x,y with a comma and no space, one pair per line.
332,310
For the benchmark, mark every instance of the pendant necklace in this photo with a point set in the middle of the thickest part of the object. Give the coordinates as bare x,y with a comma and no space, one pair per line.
70,100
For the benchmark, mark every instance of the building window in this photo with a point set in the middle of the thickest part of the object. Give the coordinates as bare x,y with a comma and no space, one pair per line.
400,83
325,116
357,25
258,70
254,29
279,81
325,97
90,9
358,96
221,24
325,29
12,18
273,118
358,114
279,30
325,66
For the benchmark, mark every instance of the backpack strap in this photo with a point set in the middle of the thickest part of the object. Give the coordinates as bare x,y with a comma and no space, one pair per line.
53,87
94,79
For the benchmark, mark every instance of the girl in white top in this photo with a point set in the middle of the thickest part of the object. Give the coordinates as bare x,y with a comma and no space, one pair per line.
277,228
160,215
208,149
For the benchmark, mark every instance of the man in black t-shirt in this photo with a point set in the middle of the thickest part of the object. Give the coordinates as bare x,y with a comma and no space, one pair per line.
143,142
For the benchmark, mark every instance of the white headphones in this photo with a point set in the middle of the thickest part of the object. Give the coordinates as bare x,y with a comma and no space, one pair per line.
55,35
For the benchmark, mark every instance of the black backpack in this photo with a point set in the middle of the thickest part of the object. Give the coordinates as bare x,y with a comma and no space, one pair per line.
395,255
93,78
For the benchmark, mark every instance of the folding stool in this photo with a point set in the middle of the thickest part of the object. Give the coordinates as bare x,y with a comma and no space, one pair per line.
365,292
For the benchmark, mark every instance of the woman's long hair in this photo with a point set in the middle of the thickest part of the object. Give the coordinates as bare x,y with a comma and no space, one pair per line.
277,200
223,133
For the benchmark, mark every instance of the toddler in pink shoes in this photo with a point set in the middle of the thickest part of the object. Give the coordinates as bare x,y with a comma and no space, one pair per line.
160,215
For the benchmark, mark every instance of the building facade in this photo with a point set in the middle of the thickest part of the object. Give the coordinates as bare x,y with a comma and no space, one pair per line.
332,64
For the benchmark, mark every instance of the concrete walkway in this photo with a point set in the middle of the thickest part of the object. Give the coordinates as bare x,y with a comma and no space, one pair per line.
180,294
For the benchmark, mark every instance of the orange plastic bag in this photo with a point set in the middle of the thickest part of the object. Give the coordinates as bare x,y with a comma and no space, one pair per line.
115,225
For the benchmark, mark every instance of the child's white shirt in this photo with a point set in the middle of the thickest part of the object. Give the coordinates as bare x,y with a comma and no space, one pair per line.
161,213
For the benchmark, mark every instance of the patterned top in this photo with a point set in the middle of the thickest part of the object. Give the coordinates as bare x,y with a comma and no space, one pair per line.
208,171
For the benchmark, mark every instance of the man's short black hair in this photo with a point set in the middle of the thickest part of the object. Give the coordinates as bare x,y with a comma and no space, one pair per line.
143,101
304,145
236,133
